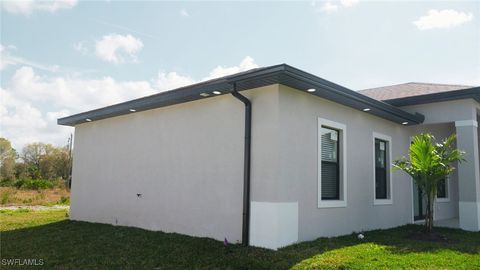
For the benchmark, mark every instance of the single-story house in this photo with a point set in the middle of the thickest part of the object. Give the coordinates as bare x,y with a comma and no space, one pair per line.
270,157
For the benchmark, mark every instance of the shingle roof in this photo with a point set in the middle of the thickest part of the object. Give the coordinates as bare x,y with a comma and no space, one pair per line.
410,89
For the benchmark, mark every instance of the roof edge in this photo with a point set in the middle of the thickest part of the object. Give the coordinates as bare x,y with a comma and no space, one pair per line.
473,93
281,74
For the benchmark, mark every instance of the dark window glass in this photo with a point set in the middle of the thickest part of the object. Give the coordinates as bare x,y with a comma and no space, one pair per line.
330,164
442,189
381,148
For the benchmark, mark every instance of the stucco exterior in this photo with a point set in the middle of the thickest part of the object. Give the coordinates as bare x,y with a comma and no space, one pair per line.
180,168
185,161
298,163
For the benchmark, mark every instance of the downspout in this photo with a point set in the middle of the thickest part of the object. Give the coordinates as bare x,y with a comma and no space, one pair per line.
246,165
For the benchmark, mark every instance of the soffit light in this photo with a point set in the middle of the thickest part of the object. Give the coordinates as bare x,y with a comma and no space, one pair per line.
217,92
405,123
204,94
311,90
132,110
88,120
366,109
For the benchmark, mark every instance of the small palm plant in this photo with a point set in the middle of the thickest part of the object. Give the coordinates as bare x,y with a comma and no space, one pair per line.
428,163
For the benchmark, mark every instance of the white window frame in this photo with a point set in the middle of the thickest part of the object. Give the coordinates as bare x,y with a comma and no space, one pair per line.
388,139
342,202
446,199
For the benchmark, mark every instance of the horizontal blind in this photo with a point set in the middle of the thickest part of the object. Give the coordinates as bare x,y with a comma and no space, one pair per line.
330,166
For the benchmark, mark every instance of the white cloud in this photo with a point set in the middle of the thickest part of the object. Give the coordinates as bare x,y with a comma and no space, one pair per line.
27,7
329,7
172,80
72,93
333,6
7,58
349,3
117,48
81,47
246,64
442,19
30,103
184,13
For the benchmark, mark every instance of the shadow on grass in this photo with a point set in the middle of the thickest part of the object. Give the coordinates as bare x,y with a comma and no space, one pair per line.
74,244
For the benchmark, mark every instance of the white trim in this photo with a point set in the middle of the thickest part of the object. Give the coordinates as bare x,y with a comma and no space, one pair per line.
411,197
466,123
388,139
412,185
343,163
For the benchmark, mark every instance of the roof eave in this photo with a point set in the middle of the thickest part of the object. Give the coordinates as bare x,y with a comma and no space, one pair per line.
281,74
473,93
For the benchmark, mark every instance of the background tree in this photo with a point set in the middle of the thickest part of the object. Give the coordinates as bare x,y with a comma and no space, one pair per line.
8,156
45,161
428,163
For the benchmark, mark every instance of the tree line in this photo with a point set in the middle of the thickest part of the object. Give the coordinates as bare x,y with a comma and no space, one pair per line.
35,161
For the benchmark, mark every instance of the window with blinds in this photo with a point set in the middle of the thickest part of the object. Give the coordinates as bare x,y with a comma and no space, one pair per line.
330,164
381,148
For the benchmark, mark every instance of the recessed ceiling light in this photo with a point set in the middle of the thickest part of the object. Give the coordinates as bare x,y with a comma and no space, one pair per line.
366,109
88,120
311,90
405,123
132,110
204,94
217,92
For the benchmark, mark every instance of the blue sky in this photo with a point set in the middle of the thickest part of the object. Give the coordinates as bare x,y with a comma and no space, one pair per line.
64,57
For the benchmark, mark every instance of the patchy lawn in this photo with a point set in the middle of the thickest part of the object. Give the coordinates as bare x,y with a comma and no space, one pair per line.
14,196
64,244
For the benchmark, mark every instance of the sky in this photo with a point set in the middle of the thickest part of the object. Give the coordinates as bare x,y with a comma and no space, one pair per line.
64,57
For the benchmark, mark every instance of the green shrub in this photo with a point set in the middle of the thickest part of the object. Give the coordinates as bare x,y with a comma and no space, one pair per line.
60,183
64,200
33,184
26,201
5,198
6,182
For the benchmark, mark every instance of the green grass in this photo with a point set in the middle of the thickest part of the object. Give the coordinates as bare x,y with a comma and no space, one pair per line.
64,244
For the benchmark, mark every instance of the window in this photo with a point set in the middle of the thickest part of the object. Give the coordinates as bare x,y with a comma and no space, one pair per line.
442,190
331,164
381,169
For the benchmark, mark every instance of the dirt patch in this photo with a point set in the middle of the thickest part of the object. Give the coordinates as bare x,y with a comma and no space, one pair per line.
431,237
10,196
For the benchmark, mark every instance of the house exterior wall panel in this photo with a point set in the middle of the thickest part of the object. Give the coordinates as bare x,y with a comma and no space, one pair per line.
174,169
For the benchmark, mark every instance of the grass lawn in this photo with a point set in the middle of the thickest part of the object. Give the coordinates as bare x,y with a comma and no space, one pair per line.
64,244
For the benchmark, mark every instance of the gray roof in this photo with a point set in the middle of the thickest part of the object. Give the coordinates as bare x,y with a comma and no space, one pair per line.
410,89
278,74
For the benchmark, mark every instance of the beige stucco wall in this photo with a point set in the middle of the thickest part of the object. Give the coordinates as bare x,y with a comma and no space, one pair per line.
298,163
446,111
185,160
